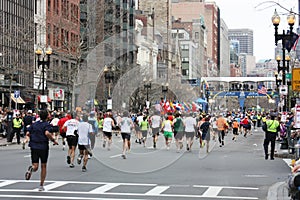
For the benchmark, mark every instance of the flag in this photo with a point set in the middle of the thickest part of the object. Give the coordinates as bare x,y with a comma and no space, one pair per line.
261,89
291,43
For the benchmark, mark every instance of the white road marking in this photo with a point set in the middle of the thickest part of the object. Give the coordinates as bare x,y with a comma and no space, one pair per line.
55,185
57,197
212,192
114,156
256,175
5,183
104,188
27,156
157,190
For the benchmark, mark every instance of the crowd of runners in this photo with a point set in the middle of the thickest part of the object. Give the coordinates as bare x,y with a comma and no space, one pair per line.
81,129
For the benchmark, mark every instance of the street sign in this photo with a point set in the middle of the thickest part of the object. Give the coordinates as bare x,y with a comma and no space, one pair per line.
288,76
296,79
283,90
44,99
17,94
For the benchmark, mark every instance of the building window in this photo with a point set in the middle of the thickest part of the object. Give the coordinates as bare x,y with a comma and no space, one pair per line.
185,46
185,72
196,35
185,60
180,35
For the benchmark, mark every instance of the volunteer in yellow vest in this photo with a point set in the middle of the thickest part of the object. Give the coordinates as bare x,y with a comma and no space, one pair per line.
259,120
17,127
270,136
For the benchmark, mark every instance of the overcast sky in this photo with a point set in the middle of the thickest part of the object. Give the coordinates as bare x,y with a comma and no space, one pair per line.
256,15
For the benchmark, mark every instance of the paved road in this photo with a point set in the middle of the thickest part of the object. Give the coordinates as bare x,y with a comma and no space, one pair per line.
236,171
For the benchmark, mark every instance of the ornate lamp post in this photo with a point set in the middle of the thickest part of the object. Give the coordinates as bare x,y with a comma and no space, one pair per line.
286,39
109,77
43,59
147,86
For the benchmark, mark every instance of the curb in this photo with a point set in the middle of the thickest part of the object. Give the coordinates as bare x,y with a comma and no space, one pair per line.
273,191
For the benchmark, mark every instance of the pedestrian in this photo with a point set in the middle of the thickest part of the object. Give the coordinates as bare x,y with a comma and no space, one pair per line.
222,124
190,125
39,134
108,124
155,122
167,130
246,123
85,130
72,139
270,136
178,131
126,126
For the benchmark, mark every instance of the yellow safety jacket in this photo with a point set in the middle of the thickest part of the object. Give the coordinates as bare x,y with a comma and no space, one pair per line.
272,126
17,123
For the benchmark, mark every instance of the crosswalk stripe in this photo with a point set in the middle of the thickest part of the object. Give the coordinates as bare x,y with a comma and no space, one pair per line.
104,188
55,185
157,190
5,183
212,192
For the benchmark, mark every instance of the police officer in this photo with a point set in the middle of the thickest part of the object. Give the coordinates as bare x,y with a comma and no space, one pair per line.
17,127
270,136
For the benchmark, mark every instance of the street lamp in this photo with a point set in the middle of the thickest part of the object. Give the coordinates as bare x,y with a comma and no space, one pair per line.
147,86
286,39
43,59
109,77
164,89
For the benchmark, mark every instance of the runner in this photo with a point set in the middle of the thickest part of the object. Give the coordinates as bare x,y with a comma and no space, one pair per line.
85,130
62,131
178,131
39,134
72,139
205,129
108,124
126,125
155,121
190,125
93,121
221,123
144,128
167,130
235,129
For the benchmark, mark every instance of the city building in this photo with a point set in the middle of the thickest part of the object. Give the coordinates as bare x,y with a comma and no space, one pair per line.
187,11
16,52
245,38
224,51
58,26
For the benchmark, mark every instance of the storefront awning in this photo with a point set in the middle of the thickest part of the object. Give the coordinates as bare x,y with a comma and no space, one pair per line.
17,100
48,98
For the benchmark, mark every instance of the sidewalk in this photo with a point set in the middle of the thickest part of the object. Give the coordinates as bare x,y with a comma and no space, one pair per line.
3,141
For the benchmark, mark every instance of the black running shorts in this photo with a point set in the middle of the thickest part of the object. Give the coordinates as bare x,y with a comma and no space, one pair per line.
38,154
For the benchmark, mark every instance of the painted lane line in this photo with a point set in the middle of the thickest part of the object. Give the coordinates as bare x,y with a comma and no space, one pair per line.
27,156
256,175
157,190
114,156
104,188
5,183
228,187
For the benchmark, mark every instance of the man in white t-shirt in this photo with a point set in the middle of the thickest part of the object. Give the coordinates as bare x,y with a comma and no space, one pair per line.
85,129
190,125
72,139
155,122
126,125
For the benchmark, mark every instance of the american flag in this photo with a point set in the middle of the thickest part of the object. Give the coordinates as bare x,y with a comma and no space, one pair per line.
261,89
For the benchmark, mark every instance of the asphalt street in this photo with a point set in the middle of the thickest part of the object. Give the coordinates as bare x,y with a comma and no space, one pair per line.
237,170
